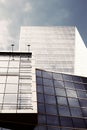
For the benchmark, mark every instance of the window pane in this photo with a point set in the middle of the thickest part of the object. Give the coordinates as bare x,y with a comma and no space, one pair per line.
40,98
78,123
52,120
66,121
1,98
51,109
63,111
41,119
47,75
48,90
71,93
67,77
39,88
50,99
3,70
76,112
48,82
59,84
69,85
79,86
82,94
84,111
62,100
39,80
57,76
73,102
41,108
60,92
3,63
83,103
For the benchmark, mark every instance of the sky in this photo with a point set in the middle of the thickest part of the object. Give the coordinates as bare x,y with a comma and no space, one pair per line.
17,13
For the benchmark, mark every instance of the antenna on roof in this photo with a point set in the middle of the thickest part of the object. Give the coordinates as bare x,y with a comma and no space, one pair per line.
28,48
12,45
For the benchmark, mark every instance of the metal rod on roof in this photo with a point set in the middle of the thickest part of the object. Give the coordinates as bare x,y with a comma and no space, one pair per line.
12,47
28,48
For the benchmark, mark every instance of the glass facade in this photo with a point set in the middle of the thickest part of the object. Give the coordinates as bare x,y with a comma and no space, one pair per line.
61,101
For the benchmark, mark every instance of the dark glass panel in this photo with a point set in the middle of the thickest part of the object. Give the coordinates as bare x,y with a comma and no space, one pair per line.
50,99
60,92
77,79
71,93
51,109
79,123
84,80
57,76
47,74
49,90
39,88
39,80
84,111
73,102
69,85
83,102
40,98
41,108
76,112
66,121
67,77
48,82
41,119
39,73
79,86
82,94
58,83
62,100
63,111
52,120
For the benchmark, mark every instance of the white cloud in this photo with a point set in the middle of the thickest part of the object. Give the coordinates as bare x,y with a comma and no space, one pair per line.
27,7
4,34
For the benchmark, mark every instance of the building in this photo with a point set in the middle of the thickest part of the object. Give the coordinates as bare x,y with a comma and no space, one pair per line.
55,48
39,96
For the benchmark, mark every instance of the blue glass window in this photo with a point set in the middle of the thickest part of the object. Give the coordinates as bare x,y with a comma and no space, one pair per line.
51,109
39,88
50,99
83,102
41,119
48,82
41,108
82,94
67,77
39,80
66,121
79,123
40,98
71,93
73,102
69,85
48,90
52,120
84,111
38,73
60,92
76,112
58,83
79,86
47,74
63,111
61,100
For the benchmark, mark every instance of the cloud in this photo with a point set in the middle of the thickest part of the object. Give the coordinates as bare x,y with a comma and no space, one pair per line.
27,7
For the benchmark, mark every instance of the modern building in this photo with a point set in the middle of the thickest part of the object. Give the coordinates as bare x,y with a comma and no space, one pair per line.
55,48
45,89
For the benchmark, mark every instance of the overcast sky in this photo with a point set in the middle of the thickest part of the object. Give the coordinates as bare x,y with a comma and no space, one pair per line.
17,13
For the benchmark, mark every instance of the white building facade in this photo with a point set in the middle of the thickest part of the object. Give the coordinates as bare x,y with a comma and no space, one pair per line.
55,48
